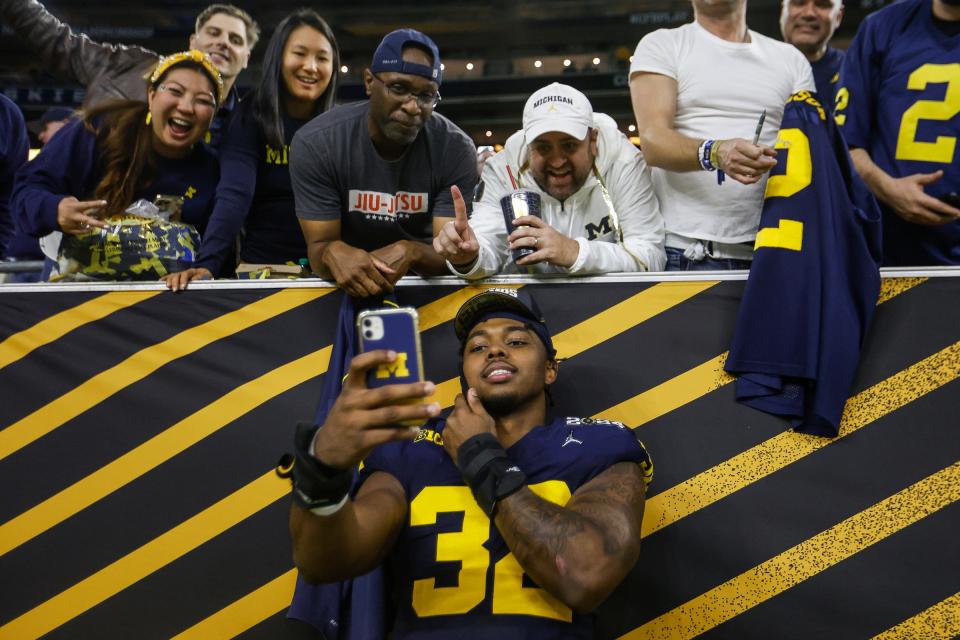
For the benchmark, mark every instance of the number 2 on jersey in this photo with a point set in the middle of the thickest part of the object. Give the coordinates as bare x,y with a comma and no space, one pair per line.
797,176
466,546
942,149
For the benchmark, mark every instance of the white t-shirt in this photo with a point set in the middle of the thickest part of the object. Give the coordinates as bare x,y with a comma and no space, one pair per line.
722,87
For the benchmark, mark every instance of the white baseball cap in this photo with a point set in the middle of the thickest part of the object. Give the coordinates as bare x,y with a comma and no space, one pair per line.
557,107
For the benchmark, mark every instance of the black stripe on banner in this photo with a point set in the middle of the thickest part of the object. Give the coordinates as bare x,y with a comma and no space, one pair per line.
867,594
97,346
19,310
657,350
197,585
782,510
155,403
910,327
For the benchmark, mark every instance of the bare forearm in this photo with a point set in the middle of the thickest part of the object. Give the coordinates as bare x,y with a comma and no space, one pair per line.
875,177
667,149
565,552
426,261
316,252
322,545
340,546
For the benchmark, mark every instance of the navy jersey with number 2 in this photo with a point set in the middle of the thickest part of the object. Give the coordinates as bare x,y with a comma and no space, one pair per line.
814,280
899,99
451,573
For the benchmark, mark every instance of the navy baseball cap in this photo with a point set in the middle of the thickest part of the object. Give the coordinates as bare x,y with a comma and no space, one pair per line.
503,303
53,114
389,55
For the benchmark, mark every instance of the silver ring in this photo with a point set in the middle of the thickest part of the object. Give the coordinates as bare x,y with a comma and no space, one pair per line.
536,241
84,225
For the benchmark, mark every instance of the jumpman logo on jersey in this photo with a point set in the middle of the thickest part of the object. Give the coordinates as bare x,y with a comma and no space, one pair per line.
570,439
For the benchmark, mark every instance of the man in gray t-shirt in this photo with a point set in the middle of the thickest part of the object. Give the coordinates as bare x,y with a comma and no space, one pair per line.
373,181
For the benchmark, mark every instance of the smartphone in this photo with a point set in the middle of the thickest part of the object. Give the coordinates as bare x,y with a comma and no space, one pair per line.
396,329
952,199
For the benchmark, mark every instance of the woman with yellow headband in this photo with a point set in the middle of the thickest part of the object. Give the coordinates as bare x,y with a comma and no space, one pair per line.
299,82
118,153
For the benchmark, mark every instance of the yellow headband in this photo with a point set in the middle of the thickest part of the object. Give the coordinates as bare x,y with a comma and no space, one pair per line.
189,56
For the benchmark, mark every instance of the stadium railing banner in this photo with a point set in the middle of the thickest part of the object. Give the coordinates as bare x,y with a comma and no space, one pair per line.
139,431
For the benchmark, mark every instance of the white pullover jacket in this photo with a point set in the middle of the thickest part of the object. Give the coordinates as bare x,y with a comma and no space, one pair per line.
585,216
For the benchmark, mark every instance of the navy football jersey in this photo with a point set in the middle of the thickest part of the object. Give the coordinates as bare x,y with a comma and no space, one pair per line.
899,99
814,281
451,572
826,75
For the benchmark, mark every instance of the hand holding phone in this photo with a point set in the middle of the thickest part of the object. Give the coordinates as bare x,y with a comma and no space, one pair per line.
395,329
364,418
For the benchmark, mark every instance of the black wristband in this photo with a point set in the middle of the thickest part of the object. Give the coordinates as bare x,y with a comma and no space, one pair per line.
488,471
315,484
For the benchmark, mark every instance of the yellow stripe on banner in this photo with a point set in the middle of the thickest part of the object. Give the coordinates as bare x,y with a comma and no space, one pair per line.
159,449
149,558
143,363
245,613
805,560
56,326
942,620
671,394
892,287
625,315
785,448
183,435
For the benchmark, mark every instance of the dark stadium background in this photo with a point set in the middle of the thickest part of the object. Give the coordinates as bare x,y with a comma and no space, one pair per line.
502,39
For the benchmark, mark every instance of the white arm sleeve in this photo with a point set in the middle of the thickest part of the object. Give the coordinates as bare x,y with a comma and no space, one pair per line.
488,225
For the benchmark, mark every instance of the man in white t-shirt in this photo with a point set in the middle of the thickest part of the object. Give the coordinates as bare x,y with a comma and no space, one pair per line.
698,92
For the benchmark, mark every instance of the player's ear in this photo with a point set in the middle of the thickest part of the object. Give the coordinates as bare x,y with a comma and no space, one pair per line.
593,141
552,370
368,81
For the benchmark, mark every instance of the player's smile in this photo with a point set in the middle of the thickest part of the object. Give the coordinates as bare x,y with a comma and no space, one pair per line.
498,372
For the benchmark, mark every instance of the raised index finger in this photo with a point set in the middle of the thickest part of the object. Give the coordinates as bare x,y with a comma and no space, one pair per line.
459,209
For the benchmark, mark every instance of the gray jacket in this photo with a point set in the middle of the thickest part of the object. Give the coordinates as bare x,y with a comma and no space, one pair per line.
108,71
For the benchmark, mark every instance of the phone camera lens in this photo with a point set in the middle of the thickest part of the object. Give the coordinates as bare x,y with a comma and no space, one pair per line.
368,334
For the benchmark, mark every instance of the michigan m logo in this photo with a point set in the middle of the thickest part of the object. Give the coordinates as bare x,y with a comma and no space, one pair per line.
395,369
594,231
277,156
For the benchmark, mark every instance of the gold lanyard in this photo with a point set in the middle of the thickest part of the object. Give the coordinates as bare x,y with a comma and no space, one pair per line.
605,194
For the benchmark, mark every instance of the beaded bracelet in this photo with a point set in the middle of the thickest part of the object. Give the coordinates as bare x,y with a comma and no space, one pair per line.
706,155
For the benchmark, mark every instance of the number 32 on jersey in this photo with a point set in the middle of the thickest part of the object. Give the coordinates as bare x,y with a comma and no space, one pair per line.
466,546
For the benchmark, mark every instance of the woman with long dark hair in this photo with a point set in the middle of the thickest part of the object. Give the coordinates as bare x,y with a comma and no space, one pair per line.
124,151
299,82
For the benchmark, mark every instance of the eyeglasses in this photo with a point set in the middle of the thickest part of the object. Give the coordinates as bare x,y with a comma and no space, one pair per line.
202,99
403,93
